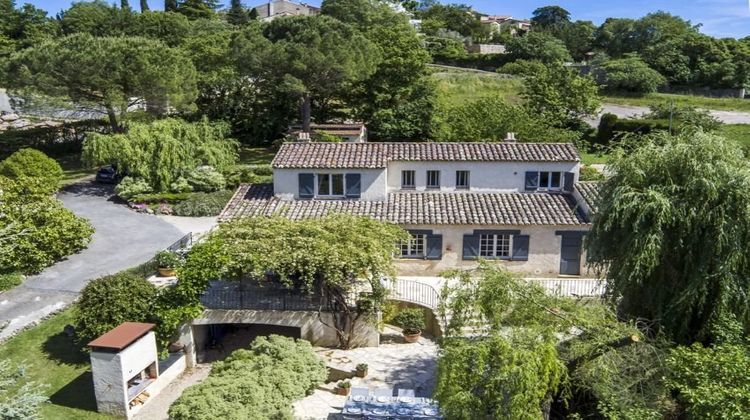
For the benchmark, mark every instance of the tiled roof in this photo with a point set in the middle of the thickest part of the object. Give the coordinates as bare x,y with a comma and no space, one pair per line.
377,155
589,190
416,208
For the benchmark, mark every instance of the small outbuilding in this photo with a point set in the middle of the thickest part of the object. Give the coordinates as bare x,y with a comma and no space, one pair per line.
124,364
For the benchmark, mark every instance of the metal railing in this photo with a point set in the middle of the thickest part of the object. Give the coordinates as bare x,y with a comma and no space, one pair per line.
414,292
236,295
572,287
182,243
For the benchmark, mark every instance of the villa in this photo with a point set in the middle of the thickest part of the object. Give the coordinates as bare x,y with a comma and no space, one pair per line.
518,203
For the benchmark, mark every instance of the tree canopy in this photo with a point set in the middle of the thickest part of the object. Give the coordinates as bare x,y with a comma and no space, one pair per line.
669,234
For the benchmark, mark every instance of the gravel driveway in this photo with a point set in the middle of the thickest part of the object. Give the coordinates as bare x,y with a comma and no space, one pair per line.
628,111
123,239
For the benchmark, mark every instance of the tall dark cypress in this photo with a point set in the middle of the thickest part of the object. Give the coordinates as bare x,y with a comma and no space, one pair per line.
170,5
144,6
124,4
237,14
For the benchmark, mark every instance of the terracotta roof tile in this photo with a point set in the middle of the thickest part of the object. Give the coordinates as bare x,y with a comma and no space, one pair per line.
589,190
377,155
416,208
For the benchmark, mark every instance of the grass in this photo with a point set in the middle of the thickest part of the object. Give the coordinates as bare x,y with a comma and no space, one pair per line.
256,155
10,280
459,88
588,158
736,132
73,169
51,358
727,104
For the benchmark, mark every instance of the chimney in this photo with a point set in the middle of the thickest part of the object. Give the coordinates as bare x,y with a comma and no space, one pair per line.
510,138
303,137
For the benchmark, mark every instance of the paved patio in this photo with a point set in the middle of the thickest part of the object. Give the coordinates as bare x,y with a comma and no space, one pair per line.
394,364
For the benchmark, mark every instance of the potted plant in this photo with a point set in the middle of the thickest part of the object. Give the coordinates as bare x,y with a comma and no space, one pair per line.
166,262
343,388
411,321
362,370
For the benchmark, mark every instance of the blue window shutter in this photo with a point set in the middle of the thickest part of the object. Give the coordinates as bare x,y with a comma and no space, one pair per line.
532,180
306,185
471,247
570,178
434,247
353,185
520,248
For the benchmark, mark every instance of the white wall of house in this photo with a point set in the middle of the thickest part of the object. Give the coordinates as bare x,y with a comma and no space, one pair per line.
286,182
484,176
543,261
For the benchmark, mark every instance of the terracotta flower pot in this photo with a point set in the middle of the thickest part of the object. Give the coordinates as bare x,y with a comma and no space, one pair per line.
166,272
361,373
342,391
412,338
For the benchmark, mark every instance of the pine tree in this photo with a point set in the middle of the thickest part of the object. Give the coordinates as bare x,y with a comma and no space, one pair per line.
237,14
170,5
124,4
144,6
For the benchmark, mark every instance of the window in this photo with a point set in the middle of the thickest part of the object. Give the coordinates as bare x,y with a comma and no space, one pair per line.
330,185
433,179
414,247
462,179
494,246
407,179
548,180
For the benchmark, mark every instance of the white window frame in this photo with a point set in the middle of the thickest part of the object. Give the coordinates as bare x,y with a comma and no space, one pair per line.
549,175
433,172
495,245
329,193
467,175
411,174
415,246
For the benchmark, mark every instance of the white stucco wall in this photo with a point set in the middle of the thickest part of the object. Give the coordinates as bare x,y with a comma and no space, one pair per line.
286,182
111,371
544,251
484,176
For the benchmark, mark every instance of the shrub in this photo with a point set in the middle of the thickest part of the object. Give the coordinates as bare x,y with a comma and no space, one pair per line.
684,116
206,179
10,280
156,198
36,231
130,187
19,397
249,174
411,320
605,132
711,382
589,173
181,186
203,204
258,383
109,301
40,174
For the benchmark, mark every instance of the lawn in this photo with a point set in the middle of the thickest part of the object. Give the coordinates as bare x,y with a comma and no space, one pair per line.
458,88
728,104
73,169
51,358
737,132
256,155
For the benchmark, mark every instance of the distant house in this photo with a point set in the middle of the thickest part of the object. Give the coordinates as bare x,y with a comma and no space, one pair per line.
486,49
279,8
501,23
352,133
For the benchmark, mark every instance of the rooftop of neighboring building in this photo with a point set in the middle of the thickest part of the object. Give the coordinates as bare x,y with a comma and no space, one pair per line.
589,190
311,155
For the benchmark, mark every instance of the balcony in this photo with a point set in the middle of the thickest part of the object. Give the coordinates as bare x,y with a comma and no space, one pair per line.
254,295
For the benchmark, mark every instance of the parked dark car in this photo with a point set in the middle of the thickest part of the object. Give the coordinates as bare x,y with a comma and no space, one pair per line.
108,175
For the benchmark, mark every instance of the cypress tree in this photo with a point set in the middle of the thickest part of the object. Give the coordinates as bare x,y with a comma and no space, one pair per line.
253,15
170,5
124,4
144,6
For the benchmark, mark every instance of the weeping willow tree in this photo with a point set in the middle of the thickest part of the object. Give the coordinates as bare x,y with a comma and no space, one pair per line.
342,258
162,151
671,235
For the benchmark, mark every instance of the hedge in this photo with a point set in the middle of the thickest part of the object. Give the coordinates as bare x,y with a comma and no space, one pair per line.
54,141
203,204
259,383
610,126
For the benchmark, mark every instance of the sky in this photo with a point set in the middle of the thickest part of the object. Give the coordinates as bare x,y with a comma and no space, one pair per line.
720,18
